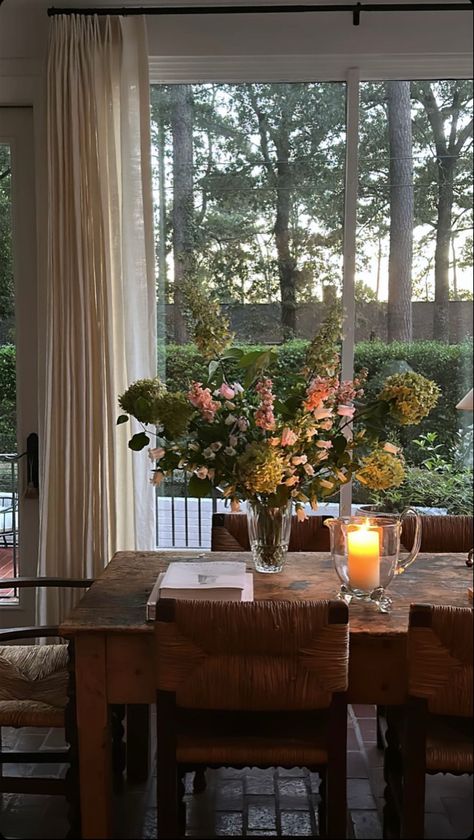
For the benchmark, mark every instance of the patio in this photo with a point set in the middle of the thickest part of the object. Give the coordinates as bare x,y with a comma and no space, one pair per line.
282,803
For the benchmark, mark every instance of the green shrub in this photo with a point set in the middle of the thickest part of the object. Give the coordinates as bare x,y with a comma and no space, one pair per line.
7,398
425,488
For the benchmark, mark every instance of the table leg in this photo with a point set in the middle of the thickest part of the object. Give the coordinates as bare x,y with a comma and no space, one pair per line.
94,737
138,742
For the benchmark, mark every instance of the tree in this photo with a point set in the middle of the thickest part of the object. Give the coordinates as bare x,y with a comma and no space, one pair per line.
6,268
445,105
183,201
401,211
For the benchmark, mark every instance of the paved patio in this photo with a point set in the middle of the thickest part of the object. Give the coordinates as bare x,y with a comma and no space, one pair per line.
250,803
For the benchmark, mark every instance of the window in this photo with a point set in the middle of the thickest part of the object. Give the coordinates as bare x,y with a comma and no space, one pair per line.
249,197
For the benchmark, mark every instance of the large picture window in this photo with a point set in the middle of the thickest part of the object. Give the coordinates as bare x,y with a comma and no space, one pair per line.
250,206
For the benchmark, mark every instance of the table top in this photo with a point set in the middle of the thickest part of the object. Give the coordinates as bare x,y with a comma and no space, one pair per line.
115,603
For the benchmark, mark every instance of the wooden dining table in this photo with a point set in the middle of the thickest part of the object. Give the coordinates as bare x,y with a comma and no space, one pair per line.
114,651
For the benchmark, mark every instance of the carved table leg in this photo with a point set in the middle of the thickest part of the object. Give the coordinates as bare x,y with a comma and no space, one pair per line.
393,782
138,742
72,774
117,715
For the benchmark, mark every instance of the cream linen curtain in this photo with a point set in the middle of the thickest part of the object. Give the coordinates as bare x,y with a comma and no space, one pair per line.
95,496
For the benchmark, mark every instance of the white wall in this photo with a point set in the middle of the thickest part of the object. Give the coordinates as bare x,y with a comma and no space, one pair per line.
24,25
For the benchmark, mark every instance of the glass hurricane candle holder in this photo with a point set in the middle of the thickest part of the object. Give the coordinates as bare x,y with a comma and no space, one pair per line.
366,555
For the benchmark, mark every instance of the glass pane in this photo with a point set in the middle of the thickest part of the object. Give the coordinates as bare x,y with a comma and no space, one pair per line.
8,445
249,200
414,274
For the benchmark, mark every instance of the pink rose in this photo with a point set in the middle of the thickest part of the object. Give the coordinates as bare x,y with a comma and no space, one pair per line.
226,391
346,410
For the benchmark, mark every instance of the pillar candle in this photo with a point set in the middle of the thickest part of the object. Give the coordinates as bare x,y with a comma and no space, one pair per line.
363,558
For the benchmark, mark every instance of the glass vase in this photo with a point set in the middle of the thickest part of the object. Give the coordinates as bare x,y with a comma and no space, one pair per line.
269,535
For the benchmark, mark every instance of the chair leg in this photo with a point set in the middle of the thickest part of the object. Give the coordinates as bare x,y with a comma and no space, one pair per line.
322,811
199,782
414,770
380,738
168,821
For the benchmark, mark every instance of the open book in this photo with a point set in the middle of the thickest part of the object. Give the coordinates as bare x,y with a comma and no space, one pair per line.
214,580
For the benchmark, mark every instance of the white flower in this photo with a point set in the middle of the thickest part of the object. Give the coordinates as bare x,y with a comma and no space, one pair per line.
194,446
202,472
216,446
233,440
242,424
237,387
229,405
229,450
230,420
208,453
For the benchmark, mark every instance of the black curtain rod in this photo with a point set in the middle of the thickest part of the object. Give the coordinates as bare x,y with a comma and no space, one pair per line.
355,8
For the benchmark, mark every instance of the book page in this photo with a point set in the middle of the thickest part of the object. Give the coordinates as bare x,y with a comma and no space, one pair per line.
208,575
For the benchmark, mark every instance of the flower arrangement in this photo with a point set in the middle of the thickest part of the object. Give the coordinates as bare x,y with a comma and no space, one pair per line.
300,445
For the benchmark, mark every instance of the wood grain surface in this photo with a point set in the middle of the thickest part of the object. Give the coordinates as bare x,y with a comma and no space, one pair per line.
116,601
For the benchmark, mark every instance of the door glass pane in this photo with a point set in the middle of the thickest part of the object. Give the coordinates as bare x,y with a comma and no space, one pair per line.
249,200
8,445
414,274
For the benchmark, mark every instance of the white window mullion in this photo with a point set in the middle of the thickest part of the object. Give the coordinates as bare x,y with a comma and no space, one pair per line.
349,248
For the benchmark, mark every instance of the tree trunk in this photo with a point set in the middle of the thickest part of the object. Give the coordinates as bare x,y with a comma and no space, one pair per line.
443,239
455,268
183,203
379,267
286,263
161,291
401,212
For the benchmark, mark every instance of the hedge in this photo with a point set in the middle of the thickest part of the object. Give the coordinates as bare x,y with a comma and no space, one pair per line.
450,365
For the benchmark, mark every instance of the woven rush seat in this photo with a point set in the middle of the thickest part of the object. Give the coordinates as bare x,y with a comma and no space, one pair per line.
260,684
234,739
33,685
440,533
230,533
449,744
432,733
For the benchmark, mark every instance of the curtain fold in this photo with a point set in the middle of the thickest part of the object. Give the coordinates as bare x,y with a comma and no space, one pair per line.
95,496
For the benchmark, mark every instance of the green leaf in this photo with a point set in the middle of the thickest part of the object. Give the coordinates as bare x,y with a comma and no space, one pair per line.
122,418
282,495
255,358
233,353
213,366
138,441
199,487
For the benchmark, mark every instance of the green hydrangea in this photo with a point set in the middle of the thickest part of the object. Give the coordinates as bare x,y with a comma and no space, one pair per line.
381,470
261,469
173,413
411,395
141,397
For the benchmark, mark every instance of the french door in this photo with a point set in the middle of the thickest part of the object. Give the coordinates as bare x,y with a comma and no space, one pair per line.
18,363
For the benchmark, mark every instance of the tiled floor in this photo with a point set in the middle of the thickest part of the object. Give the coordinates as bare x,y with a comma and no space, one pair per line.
252,803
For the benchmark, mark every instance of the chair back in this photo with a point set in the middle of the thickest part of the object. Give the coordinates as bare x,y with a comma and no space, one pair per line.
230,533
262,655
440,646
440,533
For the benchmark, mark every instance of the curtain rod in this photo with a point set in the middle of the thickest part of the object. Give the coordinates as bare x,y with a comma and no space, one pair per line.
355,8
